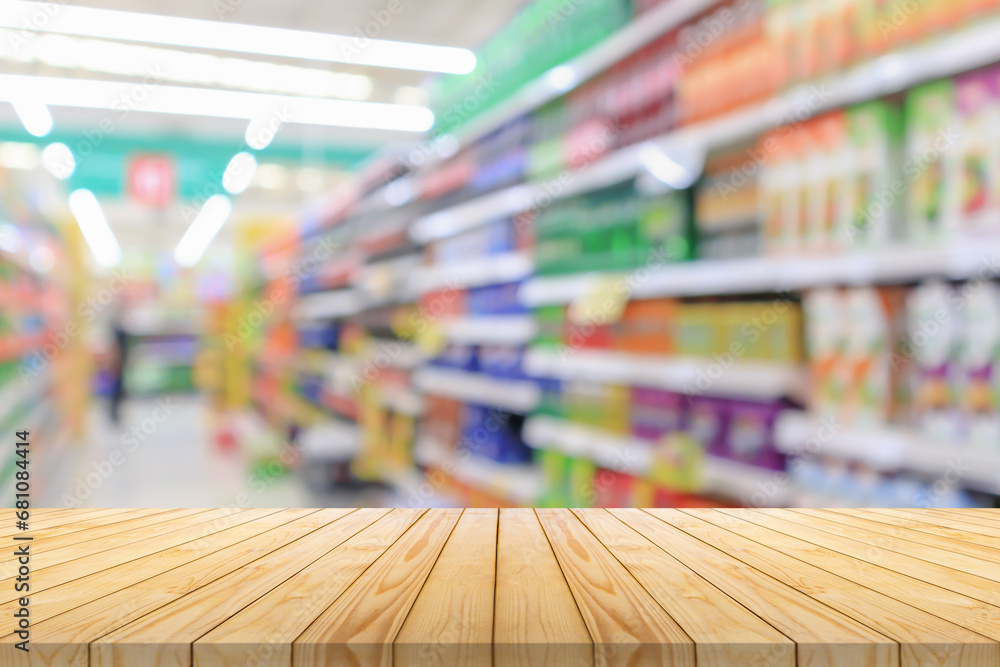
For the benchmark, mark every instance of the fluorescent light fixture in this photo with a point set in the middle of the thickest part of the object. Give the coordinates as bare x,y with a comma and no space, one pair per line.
152,97
95,55
96,230
666,170
59,160
33,115
203,229
222,36
239,173
16,155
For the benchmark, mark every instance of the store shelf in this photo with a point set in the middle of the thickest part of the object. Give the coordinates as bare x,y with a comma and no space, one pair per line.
634,456
946,55
748,379
574,73
517,396
519,484
890,449
475,272
958,260
330,441
329,305
15,394
491,330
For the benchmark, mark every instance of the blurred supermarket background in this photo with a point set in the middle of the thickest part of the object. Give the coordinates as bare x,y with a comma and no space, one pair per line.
501,253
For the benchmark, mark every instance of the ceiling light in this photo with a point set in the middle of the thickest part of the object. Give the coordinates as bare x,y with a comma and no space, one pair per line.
33,115
95,228
239,173
203,229
15,155
96,55
59,160
222,36
152,97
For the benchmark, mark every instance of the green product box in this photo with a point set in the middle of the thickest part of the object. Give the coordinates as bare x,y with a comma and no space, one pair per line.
876,133
930,173
581,476
555,473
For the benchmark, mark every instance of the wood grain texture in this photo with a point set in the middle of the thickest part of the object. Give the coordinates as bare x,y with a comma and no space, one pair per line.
264,630
511,588
924,639
359,628
537,622
724,632
822,635
627,625
961,610
451,622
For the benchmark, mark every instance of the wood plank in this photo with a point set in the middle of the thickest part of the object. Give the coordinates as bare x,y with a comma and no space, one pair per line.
962,522
924,639
799,526
451,621
79,592
264,630
627,625
867,527
959,609
536,620
81,541
954,530
986,518
824,637
724,632
164,637
358,629
43,527
64,638
75,568
900,540
46,557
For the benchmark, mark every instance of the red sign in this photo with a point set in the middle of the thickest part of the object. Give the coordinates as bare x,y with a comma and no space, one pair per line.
151,180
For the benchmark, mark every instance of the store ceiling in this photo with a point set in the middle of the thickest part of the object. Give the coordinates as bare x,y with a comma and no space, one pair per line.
303,148
461,23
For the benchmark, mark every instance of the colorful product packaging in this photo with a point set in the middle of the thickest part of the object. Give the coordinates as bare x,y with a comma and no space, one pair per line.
878,366
978,148
932,342
932,169
980,364
875,130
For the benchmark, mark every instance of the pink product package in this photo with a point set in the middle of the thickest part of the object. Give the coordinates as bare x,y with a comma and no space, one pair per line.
751,434
655,412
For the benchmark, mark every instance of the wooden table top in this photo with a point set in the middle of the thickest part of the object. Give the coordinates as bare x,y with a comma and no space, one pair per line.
547,587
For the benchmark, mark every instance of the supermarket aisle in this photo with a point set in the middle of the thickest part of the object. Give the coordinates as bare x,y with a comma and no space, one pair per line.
163,455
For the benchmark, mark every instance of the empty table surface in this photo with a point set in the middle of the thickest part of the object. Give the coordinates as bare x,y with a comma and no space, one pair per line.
546,587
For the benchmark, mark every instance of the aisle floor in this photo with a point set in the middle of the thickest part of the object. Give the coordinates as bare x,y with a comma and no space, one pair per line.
165,458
